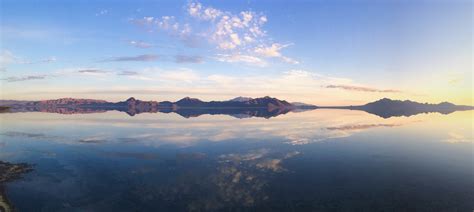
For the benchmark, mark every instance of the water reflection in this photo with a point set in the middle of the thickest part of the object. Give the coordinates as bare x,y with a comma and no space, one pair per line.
162,129
384,108
10,172
317,160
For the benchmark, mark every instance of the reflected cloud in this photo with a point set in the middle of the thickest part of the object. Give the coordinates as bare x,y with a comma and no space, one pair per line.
457,138
241,179
93,140
361,126
27,135
23,134
133,155
253,155
96,139
237,175
263,159
169,129
158,139
275,163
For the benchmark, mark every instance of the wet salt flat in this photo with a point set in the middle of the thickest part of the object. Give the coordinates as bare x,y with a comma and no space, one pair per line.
338,160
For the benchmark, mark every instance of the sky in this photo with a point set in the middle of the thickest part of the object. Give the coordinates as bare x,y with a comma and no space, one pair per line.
324,52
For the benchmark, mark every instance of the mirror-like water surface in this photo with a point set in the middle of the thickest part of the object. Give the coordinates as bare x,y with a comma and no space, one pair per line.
336,160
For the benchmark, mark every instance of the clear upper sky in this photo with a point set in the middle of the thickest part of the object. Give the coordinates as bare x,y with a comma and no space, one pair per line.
323,52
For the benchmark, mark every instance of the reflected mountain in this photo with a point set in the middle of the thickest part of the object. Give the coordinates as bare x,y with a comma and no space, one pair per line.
8,173
240,107
4,109
265,107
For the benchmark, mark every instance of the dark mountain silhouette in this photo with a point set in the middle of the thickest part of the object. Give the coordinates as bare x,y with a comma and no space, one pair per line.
387,108
240,107
191,102
4,108
187,107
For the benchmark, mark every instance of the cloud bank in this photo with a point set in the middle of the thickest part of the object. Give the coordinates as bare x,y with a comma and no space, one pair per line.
236,37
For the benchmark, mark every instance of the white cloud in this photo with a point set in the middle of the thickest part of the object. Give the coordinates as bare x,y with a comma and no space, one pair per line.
238,32
148,20
168,24
154,74
290,60
222,79
195,9
293,82
274,51
270,51
167,77
240,35
7,57
231,27
239,58
235,39
187,76
49,60
102,12
292,85
140,44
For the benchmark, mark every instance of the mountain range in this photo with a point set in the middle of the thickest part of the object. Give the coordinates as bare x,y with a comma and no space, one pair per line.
187,107
240,107
387,108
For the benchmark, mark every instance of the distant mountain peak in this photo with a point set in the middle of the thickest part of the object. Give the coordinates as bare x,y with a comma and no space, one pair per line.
407,102
446,104
189,99
241,99
385,99
64,101
131,99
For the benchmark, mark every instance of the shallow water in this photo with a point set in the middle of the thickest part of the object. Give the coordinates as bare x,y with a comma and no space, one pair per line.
320,160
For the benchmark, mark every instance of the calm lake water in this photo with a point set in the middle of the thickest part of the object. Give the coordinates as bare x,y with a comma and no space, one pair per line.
320,160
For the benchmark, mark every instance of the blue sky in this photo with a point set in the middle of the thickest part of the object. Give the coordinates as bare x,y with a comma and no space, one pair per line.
322,52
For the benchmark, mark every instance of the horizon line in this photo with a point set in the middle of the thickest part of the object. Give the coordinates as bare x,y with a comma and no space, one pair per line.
327,106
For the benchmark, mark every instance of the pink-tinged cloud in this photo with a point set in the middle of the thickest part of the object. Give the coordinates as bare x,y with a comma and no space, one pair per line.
363,89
